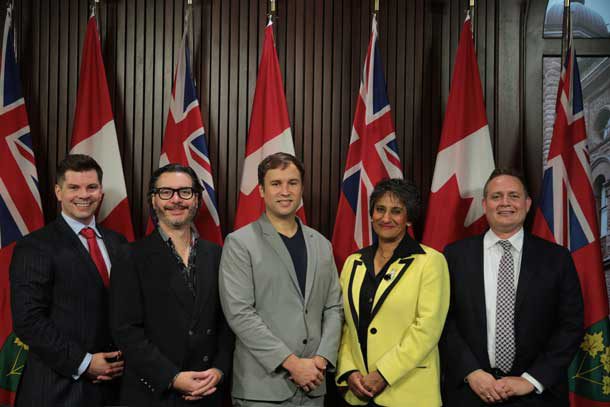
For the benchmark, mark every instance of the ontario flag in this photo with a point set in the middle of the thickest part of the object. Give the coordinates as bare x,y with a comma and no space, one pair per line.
464,160
567,216
20,209
94,134
269,132
185,143
372,156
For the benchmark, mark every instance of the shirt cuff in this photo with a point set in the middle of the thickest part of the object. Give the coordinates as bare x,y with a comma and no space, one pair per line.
82,368
538,387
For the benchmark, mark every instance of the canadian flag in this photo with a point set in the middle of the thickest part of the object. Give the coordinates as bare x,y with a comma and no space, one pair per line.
94,134
465,158
269,132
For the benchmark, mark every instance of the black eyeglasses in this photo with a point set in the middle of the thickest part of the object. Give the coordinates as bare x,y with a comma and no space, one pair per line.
167,193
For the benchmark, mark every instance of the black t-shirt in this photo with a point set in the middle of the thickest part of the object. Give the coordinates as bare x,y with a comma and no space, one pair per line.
298,252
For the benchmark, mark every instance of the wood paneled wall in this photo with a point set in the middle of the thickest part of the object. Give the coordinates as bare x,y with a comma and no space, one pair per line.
321,46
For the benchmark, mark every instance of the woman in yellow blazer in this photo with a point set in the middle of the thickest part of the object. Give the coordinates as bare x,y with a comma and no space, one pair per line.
395,297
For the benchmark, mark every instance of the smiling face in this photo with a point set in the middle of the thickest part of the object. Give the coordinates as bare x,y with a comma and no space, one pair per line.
175,213
282,191
390,218
506,205
79,194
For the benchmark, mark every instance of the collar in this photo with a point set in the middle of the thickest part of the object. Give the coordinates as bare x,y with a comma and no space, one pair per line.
516,240
268,228
166,238
77,226
299,231
406,248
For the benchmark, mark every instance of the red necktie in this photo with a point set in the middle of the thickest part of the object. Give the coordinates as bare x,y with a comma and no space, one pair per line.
96,254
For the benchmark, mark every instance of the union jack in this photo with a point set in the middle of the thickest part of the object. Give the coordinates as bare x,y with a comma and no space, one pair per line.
185,142
372,156
567,216
20,207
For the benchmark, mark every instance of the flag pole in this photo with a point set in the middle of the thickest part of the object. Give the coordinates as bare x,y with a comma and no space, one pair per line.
471,7
93,8
188,23
272,11
566,30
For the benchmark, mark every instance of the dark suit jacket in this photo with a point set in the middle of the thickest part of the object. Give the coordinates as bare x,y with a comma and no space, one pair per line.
160,327
548,321
60,309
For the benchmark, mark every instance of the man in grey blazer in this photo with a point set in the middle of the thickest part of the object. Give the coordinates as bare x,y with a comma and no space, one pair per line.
280,293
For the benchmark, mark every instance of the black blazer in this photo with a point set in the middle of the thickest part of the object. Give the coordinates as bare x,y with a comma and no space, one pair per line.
548,321
161,328
60,309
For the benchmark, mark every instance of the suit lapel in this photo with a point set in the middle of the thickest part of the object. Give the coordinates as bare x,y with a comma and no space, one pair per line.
275,241
312,261
395,271
72,240
356,277
202,264
525,273
112,246
477,282
162,258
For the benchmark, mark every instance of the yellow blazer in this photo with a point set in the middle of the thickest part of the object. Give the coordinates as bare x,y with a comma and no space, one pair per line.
409,312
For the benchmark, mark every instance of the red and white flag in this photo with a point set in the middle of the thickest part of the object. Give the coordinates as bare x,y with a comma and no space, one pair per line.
372,156
269,132
20,208
566,215
94,134
465,158
185,143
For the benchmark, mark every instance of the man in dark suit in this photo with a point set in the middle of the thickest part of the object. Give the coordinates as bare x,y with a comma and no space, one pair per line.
516,315
59,278
166,315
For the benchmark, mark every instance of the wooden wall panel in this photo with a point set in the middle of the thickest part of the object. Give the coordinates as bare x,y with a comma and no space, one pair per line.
321,47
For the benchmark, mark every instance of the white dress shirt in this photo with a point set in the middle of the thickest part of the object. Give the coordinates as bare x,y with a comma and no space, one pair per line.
76,227
492,254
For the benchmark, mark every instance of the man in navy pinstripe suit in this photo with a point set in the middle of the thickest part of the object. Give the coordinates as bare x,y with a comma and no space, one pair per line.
59,297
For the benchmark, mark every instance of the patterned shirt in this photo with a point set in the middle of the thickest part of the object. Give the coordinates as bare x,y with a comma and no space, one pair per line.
187,270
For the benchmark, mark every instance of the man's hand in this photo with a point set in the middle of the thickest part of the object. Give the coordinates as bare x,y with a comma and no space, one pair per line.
101,370
516,386
354,381
320,362
303,372
374,382
486,387
189,383
208,379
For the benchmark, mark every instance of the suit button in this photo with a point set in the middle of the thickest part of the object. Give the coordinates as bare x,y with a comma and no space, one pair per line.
373,331
206,358
191,333
209,332
304,341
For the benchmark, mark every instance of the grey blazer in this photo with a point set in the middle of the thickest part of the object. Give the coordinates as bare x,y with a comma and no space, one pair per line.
264,306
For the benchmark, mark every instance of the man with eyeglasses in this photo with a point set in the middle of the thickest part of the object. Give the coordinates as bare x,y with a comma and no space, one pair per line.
166,315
